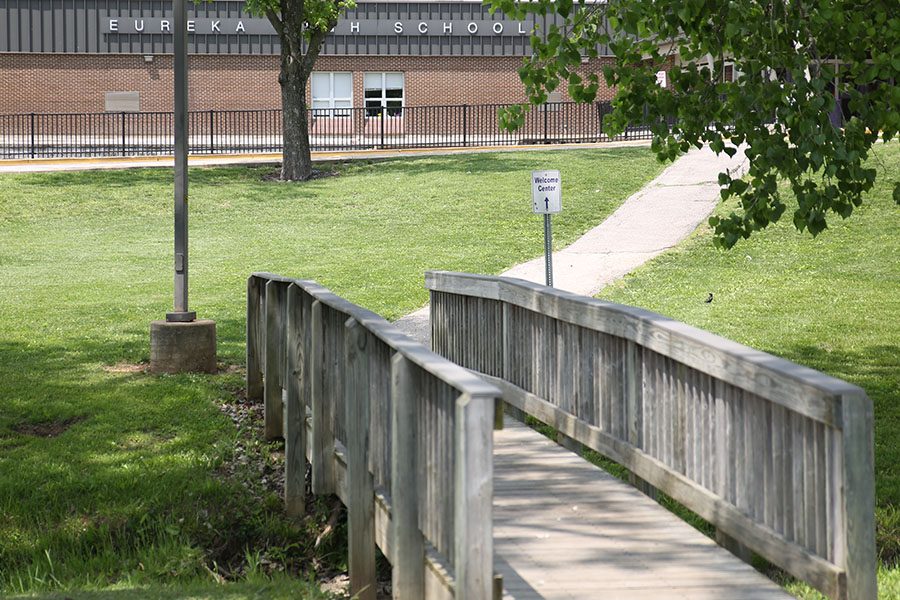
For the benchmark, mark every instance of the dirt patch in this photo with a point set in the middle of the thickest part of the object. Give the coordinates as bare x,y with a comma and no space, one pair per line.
143,368
251,460
230,369
128,368
48,429
316,174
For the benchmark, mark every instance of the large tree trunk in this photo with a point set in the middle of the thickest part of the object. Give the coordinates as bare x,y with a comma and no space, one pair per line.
297,163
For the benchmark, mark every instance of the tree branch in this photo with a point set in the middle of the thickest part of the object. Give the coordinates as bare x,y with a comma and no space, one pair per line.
275,20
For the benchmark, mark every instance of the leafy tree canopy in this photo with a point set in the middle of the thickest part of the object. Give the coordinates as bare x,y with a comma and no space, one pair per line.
787,58
306,19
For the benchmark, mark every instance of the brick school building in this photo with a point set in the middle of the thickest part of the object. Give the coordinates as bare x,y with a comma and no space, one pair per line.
89,56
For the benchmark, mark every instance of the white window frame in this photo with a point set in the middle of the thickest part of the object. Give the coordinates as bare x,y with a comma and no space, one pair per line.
331,110
384,99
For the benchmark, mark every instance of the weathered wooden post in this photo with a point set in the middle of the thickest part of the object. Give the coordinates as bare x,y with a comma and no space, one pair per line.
473,494
360,484
856,543
295,413
408,542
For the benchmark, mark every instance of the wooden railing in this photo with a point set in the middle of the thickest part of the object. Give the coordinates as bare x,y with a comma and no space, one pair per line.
776,456
400,434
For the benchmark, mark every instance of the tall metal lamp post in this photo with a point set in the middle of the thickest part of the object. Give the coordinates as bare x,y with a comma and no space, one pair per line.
181,314
182,342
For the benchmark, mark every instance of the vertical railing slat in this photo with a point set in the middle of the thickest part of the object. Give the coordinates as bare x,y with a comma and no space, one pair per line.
255,356
295,411
274,364
322,433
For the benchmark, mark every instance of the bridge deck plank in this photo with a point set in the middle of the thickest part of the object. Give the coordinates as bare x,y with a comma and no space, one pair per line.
566,529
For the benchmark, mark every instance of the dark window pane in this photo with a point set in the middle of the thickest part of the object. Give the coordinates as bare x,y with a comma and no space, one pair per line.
394,93
373,93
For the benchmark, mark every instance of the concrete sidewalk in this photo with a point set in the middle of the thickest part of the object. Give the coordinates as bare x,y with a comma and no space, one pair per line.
654,219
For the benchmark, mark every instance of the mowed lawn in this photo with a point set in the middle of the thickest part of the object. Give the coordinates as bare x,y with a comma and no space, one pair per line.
113,478
832,303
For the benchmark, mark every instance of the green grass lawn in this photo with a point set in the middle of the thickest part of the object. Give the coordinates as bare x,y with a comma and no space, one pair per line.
832,303
131,493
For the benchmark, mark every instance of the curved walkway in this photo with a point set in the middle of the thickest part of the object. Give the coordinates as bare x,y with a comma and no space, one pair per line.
565,529
654,219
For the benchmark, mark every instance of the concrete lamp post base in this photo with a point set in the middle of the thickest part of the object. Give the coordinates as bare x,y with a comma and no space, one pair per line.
183,347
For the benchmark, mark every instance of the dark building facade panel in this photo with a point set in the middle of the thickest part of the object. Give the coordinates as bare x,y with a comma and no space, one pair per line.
223,27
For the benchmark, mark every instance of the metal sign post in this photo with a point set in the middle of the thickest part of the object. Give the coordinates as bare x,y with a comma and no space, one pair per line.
181,313
546,198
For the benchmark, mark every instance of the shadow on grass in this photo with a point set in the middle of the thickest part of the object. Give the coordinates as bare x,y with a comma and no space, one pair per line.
280,588
133,488
471,164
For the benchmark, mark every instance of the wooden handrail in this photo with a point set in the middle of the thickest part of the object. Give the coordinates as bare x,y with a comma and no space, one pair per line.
400,434
777,456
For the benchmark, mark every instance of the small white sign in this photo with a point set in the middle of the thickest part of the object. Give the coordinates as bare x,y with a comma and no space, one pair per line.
661,79
546,192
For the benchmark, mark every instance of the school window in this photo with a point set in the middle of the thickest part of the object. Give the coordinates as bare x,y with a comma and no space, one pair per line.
332,94
384,92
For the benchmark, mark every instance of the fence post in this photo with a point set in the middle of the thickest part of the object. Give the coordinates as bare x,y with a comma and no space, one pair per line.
473,483
600,114
383,109
295,413
274,365
409,544
123,133
856,543
465,124
360,483
322,436
546,116
32,135
255,355
212,125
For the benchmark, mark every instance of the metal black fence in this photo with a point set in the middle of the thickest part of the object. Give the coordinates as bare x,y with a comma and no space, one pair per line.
257,131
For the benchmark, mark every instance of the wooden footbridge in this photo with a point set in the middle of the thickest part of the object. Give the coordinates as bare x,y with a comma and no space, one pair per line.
468,503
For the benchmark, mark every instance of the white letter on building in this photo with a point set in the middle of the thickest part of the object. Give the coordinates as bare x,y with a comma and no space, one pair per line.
113,24
473,28
139,25
240,27
164,25
192,26
354,26
215,26
498,27
423,27
398,27
521,31
448,28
